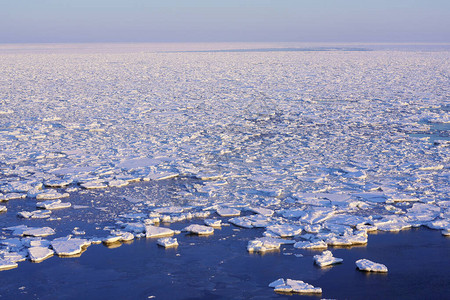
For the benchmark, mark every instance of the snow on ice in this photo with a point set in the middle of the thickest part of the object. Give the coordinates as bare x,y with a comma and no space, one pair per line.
334,152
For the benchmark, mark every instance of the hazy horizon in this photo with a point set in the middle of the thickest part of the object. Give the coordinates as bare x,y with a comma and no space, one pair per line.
339,21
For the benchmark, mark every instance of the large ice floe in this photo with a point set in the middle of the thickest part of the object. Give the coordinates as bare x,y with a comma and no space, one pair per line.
317,149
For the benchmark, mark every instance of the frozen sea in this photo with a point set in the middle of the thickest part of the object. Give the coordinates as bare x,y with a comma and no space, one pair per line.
341,145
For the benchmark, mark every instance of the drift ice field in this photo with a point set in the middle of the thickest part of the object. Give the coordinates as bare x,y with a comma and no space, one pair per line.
320,147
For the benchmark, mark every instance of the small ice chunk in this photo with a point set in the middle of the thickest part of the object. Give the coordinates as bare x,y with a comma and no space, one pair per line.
228,212
111,239
265,244
356,238
117,183
285,230
36,231
37,214
94,185
277,282
446,232
199,229
326,259
68,246
35,242
12,196
38,254
53,204
311,245
213,222
6,264
241,222
51,195
3,208
167,242
135,227
294,286
58,183
126,237
262,211
13,256
160,176
170,210
154,231
312,228
370,266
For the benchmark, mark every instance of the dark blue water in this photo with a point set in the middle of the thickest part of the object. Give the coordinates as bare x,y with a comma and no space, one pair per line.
219,267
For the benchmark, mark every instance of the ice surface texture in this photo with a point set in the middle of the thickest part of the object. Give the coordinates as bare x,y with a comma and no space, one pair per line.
320,148
370,266
294,286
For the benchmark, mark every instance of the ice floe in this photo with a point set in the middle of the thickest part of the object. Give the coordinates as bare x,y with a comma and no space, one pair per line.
294,286
167,242
44,231
7,265
213,222
265,244
37,214
154,231
319,245
285,230
199,229
370,266
50,195
38,254
228,212
53,204
326,259
68,246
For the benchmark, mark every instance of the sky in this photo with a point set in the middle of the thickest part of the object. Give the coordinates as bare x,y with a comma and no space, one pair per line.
63,21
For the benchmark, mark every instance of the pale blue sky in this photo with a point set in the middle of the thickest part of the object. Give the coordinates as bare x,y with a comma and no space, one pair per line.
224,21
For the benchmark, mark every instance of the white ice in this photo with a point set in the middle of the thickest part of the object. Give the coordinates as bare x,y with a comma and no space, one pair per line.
294,286
167,242
199,229
228,212
326,259
38,254
154,231
69,246
370,266
53,204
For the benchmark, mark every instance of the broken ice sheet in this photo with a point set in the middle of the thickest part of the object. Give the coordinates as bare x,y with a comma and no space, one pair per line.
50,195
285,230
37,214
68,246
326,259
199,229
228,212
294,286
370,266
311,245
44,231
167,242
38,254
154,231
7,264
265,244
213,222
53,204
